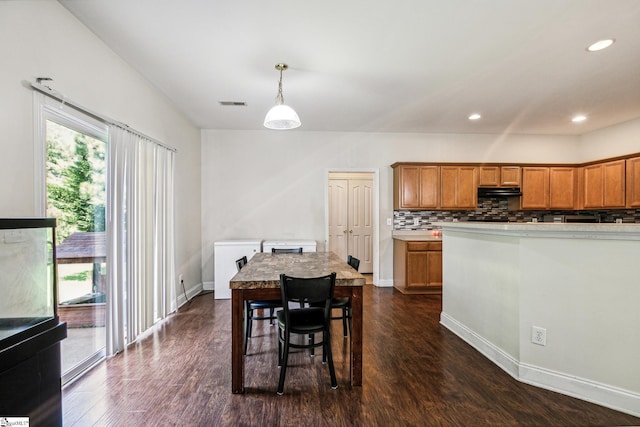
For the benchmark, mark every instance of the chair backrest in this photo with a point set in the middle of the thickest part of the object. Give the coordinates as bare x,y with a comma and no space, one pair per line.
353,262
307,291
241,262
286,251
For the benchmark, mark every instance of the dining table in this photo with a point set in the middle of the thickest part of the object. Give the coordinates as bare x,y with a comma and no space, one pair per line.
259,279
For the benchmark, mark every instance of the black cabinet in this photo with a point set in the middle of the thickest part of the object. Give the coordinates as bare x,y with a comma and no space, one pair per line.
30,377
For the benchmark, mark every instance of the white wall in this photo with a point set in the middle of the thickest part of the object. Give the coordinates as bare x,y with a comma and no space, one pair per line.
270,184
40,38
612,141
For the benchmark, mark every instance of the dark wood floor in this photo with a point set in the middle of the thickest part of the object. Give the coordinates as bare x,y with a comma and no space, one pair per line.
415,373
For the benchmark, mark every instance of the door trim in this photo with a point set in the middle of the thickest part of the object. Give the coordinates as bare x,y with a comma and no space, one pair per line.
376,212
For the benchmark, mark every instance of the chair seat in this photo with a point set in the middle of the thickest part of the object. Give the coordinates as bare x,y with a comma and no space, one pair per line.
250,316
340,302
344,304
303,320
258,304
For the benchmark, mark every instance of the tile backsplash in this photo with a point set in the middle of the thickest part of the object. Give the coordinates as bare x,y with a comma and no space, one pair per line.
498,209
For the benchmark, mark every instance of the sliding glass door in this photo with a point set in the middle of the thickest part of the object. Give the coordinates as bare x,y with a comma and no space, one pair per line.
76,196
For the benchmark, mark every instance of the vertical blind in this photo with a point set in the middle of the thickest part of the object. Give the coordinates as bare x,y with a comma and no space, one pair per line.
140,241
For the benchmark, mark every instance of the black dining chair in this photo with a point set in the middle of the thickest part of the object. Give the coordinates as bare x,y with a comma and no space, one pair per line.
314,297
241,262
286,250
344,303
250,307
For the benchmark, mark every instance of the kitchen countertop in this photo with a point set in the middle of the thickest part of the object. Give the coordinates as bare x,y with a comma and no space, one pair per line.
548,229
417,235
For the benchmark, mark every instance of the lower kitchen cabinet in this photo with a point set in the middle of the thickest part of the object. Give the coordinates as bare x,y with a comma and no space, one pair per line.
417,266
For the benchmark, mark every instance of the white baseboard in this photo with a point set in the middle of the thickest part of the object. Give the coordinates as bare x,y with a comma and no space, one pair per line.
387,283
191,292
504,360
208,286
580,388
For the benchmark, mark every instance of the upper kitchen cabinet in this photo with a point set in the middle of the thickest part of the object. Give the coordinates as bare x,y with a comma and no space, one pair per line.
604,185
510,176
563,185
549,187
633,182
499,176
458,187
415,186
535,187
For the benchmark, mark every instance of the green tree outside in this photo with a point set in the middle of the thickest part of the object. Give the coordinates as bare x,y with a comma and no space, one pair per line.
76,172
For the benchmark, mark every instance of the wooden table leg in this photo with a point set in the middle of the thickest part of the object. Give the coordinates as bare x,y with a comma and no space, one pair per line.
356,336
237,360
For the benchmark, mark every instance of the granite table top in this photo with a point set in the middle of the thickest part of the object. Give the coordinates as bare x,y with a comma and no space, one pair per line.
264,269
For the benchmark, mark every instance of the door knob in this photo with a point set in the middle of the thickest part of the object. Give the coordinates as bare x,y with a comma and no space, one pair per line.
350,231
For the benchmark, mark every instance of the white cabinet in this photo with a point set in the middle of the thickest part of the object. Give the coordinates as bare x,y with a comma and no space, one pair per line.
225,254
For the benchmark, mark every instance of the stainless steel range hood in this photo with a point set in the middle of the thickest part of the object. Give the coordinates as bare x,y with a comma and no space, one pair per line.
499,192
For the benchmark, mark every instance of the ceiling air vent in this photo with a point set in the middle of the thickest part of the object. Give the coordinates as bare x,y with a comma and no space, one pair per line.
233,103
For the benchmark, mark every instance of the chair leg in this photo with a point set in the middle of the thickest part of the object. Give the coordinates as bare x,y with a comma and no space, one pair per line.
312,338
327,349
283,365
279,348
247,326
344,321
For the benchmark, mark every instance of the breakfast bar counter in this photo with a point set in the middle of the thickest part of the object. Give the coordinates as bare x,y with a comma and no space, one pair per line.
554,305
260,279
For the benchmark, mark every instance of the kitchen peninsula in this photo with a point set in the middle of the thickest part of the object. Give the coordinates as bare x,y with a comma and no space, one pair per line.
574,289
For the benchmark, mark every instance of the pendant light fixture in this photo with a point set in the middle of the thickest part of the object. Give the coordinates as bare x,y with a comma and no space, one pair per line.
281,116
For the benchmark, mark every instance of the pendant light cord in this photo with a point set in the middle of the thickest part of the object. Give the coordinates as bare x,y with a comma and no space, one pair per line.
279,97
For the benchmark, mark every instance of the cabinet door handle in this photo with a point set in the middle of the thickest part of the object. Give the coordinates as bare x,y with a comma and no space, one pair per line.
350,231
344,231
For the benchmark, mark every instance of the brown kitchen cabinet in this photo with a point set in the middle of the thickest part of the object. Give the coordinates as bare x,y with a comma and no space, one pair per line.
510,176
549,187
535,187
563,185
458,187
499,176
604,185
633,182
417,266
416,186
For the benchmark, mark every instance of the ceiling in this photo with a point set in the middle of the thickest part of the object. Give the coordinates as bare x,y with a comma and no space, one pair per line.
384,66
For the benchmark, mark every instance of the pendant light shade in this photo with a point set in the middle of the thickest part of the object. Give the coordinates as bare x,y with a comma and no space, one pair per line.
281,116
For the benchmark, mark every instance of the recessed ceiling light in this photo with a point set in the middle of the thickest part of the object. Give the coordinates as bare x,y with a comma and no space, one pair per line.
601,44
579,118
475,116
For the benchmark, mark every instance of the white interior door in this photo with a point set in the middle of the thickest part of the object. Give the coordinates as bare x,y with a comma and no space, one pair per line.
338,227
360,222
351,217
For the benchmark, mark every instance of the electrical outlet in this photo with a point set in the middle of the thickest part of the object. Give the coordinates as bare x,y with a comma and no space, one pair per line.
416,221
538,335
389,221
180,278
